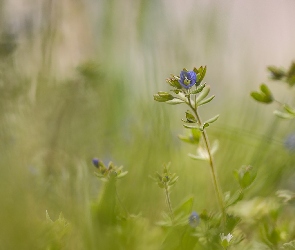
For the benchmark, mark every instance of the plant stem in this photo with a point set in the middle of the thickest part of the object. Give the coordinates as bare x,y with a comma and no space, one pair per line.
217,188
168,202
121,203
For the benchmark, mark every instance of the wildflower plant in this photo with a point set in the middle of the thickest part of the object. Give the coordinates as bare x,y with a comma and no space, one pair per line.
189,89
104,210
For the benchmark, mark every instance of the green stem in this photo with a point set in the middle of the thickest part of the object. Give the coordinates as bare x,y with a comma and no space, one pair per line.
217,188
121,203
168,202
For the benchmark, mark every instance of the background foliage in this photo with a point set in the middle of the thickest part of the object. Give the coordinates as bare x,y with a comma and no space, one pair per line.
76,82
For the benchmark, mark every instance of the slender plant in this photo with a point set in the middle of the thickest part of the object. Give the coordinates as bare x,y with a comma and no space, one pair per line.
189,89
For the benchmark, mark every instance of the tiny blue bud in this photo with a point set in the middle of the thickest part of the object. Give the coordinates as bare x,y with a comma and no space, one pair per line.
194,219
187,79
95,162
290,142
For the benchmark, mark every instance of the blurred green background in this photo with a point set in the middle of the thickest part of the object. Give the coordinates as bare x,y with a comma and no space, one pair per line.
77,80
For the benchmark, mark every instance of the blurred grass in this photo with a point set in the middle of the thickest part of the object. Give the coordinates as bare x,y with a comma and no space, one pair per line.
65,99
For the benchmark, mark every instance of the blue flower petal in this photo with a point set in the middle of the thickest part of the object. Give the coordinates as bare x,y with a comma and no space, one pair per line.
187,79
194,219
95,162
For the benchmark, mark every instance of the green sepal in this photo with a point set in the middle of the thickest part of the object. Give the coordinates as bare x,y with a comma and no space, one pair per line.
265,96
201,72
173,81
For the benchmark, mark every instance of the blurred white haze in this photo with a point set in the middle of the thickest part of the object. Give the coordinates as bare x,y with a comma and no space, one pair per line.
148,40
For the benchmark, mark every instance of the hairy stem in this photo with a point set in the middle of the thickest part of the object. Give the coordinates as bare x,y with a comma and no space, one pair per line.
216,185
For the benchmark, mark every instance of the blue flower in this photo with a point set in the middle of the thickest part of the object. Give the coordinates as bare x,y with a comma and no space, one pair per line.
290,142
95,162
187,79
194,219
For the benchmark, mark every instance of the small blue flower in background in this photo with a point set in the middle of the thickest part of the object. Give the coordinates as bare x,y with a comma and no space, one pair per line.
95,162
194,219
290,142
187,79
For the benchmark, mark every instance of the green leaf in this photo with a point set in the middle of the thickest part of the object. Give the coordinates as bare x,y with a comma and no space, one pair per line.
208,122
189,139
159,98
121,175
191,126
265,90
203,74
265,96
190,117
276,73
163,96
203,94
48,219
196,133
206,100
198,157
199,88
286,195
173,181
257,96
201,155
175,101
185,208
194,138
283,115
237,196
245,176
185,138
213,119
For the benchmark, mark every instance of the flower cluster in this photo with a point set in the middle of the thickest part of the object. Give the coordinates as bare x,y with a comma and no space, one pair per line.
105,173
